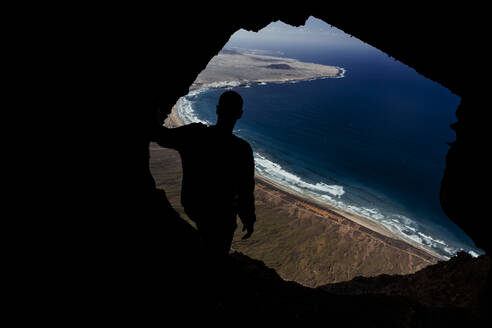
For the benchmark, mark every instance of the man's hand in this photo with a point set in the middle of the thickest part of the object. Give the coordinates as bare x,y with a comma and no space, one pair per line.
249,228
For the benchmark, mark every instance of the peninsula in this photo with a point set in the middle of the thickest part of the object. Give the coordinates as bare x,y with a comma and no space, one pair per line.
233,67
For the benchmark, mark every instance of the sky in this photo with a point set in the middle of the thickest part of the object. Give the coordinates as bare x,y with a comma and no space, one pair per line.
315,31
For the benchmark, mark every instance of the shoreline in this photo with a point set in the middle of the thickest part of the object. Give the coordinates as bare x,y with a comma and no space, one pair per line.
358,222
329,212
240,68
217,76
198,86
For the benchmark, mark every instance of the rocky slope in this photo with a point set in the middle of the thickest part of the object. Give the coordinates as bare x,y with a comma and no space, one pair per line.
268,289
257,294
302,242
454,283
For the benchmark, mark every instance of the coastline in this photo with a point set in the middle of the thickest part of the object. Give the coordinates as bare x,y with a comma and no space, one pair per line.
240,69
197,86
173,120
355,221
325,211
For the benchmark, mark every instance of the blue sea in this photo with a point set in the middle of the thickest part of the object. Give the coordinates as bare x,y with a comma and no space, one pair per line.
372,142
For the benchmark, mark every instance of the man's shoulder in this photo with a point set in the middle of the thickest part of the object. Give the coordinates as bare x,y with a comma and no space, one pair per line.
243,144
194,126
191,128
185,136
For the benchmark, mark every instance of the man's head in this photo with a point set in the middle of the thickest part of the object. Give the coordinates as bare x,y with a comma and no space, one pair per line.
230,106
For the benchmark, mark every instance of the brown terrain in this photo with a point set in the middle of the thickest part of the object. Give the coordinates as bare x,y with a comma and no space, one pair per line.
303,241
360,277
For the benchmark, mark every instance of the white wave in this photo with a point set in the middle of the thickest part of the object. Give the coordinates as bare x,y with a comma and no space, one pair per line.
430,238
450,250
342,74
223,84
185,111
474,254
412,229
275,172
399,225
416,239
196,92
373,212
408,229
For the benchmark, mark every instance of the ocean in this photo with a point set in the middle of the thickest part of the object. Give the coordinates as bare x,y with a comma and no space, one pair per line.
372,142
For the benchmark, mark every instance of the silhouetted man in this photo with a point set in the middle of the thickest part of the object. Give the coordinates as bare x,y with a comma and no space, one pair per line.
218,175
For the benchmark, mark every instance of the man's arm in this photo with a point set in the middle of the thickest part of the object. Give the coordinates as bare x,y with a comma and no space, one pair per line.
166,137
176,137
246,206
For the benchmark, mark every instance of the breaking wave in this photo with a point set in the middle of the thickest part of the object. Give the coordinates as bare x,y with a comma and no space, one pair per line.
185,111
398,224
274,172
342,72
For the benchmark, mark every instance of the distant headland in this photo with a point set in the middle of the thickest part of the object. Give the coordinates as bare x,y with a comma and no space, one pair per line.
235,67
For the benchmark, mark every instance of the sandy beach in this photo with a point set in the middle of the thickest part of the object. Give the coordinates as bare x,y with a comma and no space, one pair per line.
342,217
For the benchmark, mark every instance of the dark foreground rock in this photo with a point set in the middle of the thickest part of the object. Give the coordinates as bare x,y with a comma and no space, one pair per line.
256,293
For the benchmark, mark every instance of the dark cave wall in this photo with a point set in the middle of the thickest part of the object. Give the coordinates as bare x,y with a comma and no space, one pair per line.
163,50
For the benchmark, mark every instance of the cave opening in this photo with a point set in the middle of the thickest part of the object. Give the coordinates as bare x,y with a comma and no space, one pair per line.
368,141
